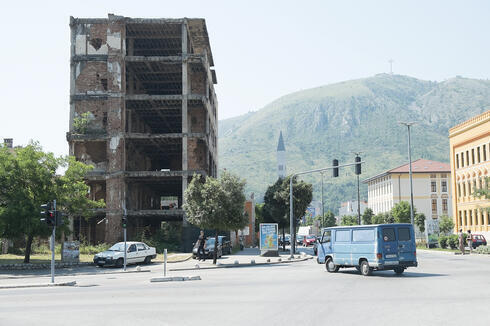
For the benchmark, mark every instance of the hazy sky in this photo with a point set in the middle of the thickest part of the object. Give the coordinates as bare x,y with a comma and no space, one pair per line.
262,50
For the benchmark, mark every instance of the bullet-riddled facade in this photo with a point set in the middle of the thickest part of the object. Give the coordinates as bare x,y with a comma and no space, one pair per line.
143,112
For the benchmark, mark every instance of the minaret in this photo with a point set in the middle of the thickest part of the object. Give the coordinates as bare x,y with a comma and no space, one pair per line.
281,157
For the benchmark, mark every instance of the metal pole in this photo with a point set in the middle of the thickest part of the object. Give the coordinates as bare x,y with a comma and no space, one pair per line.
323,208
410,174
358,203
125,249
164,262
124,233
291,226
53,235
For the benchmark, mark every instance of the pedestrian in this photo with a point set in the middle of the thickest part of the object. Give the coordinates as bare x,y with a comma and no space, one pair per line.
461,241
469,239
201,245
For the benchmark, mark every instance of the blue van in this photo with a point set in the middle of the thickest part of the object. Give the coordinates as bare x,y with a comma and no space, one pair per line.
368,248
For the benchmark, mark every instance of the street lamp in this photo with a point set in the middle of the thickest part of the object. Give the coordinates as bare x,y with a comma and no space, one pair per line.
409,124
323,207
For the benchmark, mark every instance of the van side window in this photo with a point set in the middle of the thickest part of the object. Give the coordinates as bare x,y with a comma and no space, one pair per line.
403,234
342,236
389,234
363,235
327,237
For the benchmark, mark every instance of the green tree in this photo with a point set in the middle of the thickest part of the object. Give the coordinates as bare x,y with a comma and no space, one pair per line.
419,220
216,204
349,220
329,219
27,180
274,210
401,212
302,196
367,216
378,219
446,224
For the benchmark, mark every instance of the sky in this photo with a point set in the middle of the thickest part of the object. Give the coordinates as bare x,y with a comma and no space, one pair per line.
262,50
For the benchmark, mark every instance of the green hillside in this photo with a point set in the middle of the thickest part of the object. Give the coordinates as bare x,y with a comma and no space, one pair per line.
334,121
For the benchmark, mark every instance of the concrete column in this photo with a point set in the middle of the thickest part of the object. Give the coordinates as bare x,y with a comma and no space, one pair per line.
185,93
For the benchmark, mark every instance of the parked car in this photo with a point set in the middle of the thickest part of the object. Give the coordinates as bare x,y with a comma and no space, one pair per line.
137,252
479,240
309,240
315,246
287,240
368,248
225,244
299,239
209,248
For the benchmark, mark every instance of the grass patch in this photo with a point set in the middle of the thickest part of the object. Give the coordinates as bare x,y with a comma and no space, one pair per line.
40,258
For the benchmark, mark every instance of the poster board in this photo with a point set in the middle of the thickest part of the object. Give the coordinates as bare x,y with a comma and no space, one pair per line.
268,236
71,251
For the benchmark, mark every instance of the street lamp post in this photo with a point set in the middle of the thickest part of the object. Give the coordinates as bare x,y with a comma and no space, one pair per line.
323,207
409,124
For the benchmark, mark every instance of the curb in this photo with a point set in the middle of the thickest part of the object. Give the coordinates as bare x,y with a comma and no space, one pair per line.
175,279
240,265
38,285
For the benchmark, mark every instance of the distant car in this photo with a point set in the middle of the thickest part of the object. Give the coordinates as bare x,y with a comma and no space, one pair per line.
225,244
137,252
209,248
299,239
309,240
287,240
479,240
315,246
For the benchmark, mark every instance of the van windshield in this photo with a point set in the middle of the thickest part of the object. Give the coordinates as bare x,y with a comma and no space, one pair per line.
389,234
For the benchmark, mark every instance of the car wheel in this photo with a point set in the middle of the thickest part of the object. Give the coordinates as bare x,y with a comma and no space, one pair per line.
330,266
147,260
399,270
120,262
365,269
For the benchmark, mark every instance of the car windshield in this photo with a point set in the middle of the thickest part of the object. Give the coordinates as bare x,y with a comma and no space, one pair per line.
117,247
311,237
210,242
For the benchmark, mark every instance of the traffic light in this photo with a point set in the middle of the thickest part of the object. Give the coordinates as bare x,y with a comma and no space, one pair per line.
358,165
335,168
48,215
124,222
59,218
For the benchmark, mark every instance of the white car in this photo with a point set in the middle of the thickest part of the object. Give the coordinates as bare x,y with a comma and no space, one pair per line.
137,252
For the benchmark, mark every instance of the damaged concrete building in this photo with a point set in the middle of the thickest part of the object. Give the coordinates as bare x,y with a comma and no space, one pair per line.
143,112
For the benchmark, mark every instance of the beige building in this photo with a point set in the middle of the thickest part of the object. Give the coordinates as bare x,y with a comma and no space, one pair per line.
431,191
470,163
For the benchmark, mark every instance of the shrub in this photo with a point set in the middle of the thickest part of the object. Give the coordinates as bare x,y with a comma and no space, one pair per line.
443,241
86,249
453,241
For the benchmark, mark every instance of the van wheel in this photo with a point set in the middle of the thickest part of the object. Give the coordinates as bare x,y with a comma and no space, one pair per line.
330,266
399,270
365,269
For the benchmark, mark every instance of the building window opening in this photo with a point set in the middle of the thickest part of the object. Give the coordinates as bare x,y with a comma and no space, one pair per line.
484,152
444,206
434,206
457,161
444,185
473,156
433,186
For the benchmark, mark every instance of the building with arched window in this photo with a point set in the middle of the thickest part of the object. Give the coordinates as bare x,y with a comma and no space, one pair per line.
470,164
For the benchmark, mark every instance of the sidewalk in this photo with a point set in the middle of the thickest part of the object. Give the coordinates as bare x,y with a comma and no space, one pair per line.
246,257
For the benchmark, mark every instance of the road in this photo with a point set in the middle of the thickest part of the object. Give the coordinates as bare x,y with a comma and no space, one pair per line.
445,290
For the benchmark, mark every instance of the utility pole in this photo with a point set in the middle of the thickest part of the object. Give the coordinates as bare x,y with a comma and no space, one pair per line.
323,207
409,124
53,236
391,66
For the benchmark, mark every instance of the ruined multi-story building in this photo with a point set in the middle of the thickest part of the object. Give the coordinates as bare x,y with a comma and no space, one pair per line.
143,112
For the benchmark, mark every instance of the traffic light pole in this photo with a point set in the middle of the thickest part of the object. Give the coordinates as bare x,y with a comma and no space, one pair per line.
53,235
125,246
291,209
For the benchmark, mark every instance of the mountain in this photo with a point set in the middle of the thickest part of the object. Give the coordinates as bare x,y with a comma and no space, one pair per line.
334,121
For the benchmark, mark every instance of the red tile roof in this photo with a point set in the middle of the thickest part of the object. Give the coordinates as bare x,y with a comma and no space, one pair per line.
423,166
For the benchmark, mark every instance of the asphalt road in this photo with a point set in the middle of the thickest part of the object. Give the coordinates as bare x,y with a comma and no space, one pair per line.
444,290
